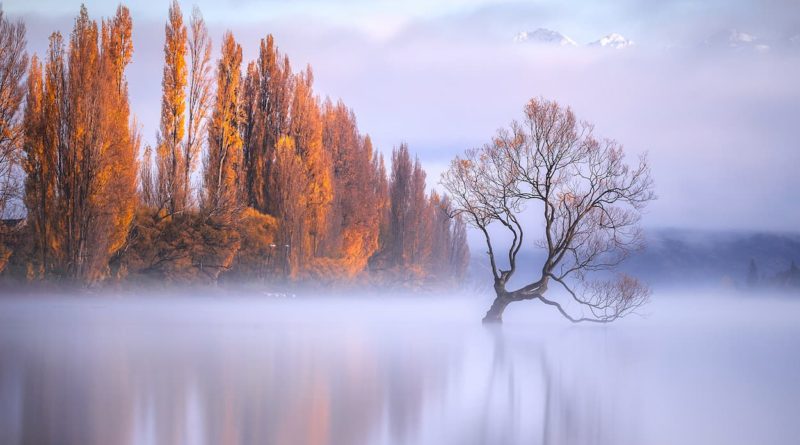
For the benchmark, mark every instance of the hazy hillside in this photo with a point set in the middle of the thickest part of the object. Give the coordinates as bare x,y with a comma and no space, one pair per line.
683,257
679,258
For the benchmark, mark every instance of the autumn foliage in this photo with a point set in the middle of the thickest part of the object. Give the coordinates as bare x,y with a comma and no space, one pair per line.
80,153
288,190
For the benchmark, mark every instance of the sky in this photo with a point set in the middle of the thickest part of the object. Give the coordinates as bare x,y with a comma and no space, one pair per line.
717,116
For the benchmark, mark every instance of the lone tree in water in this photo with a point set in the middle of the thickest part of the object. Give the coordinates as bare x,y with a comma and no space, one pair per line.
590,201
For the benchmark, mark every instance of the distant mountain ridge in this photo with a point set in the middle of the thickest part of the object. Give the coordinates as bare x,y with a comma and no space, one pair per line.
691,257
731,39
675,258
544,36
613,40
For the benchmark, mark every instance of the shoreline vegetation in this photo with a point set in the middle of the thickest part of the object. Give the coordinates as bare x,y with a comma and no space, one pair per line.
252,177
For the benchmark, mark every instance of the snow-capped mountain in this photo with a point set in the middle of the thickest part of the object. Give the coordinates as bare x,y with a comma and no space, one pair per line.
613,40
544,36
734,39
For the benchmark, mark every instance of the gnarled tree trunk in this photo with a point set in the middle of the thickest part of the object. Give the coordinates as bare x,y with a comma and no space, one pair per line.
495,312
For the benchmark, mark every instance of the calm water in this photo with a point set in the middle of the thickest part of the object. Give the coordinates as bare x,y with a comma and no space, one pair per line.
238,370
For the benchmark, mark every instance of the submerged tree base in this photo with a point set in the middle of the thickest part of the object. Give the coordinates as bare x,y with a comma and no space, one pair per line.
495,313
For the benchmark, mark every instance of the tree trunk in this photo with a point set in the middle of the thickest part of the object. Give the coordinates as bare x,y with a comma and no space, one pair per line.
495,313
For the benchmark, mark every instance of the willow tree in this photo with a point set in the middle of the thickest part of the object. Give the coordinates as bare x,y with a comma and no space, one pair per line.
589,201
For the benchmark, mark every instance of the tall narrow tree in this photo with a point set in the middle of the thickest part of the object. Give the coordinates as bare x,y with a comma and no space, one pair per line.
267,94
418,221
80,153
354,219
224,157
250,127
381,189
399,198
40,173
147,179
289,184
170,152
275,98
113,195
306,130
339,137
50,133
199,98
439,236
459,249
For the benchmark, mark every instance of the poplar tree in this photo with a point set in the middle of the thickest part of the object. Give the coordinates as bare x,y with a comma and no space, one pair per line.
267,94
45,140
81,192
399,203
170,152
289,184
306,130
200,83
417,228
224,158
79,157
40,173
354,228
115,202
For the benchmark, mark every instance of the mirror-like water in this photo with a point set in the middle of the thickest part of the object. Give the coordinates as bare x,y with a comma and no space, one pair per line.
380,371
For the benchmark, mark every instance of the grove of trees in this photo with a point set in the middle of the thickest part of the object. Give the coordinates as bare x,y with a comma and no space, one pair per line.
252,175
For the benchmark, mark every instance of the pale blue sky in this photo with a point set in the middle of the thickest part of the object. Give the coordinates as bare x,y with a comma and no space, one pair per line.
719,122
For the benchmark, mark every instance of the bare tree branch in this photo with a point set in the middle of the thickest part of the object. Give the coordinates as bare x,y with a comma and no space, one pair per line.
591,201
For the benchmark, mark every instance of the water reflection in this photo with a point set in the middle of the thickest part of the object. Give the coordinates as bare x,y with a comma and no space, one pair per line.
86,382
153,373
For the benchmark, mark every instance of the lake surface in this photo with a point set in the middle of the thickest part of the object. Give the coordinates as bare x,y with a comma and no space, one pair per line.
207,370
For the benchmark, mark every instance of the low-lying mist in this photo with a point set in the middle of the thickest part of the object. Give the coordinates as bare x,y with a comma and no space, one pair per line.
227,366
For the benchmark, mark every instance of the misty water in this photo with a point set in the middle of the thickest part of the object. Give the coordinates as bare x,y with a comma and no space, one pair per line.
212,370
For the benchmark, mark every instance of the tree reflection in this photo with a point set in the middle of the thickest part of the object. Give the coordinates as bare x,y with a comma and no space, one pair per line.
302,386
576,405
295,384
